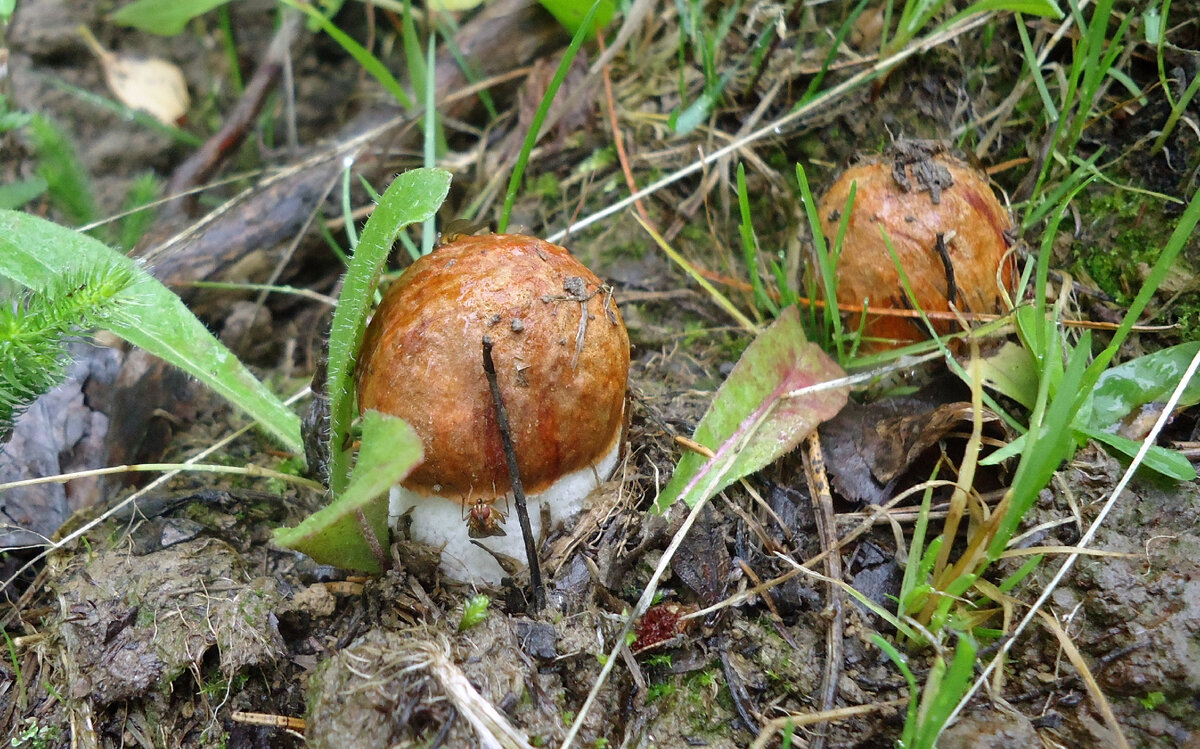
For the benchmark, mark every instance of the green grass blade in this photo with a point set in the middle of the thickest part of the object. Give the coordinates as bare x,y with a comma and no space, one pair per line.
1169,463
750,246
1035,70
1049,442
914,691
1015,578
361,54
951,687
535,127
916,571
125,112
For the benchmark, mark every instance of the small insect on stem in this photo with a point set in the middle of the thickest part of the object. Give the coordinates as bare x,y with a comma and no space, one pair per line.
485,520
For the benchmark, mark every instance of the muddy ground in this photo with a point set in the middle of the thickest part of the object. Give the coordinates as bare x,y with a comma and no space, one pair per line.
170,618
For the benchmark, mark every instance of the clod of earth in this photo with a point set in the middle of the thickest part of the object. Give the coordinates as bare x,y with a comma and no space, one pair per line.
950,234
562,358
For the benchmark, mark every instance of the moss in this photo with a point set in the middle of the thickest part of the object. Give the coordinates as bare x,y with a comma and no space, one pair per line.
1128,234
699,700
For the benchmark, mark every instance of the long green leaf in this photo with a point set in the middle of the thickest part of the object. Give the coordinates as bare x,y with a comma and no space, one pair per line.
34,252
412,198
336,534
754,418
949,689
535,127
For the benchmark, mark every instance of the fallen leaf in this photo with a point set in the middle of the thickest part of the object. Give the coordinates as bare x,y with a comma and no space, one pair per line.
869,447
760,412
147,83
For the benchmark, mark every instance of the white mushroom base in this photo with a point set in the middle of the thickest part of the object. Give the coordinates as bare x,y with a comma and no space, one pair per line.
441,522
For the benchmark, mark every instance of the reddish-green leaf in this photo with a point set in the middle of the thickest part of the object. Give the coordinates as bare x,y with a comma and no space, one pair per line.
761,412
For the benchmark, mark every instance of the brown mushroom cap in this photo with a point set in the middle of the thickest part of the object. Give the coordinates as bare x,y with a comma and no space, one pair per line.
562,380
916,193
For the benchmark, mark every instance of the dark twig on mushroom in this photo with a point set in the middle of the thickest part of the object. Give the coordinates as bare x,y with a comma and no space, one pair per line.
510,454
944,253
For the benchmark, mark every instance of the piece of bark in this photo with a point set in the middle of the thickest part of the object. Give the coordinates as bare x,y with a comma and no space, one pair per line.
149,399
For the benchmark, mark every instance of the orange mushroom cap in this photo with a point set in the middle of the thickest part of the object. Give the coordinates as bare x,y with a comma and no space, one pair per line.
915,193
561,353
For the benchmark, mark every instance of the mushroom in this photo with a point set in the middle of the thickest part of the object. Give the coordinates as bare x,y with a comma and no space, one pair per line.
562,360
949,232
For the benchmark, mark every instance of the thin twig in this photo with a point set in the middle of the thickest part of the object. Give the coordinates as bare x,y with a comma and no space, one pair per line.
510,454
818,488
249,469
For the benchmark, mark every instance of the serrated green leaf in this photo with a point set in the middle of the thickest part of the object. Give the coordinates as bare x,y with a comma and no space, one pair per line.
1143,380
164,17
34,252
412,198
753,418
390,451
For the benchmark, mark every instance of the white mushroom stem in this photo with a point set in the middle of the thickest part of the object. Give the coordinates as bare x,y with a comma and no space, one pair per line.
442,522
